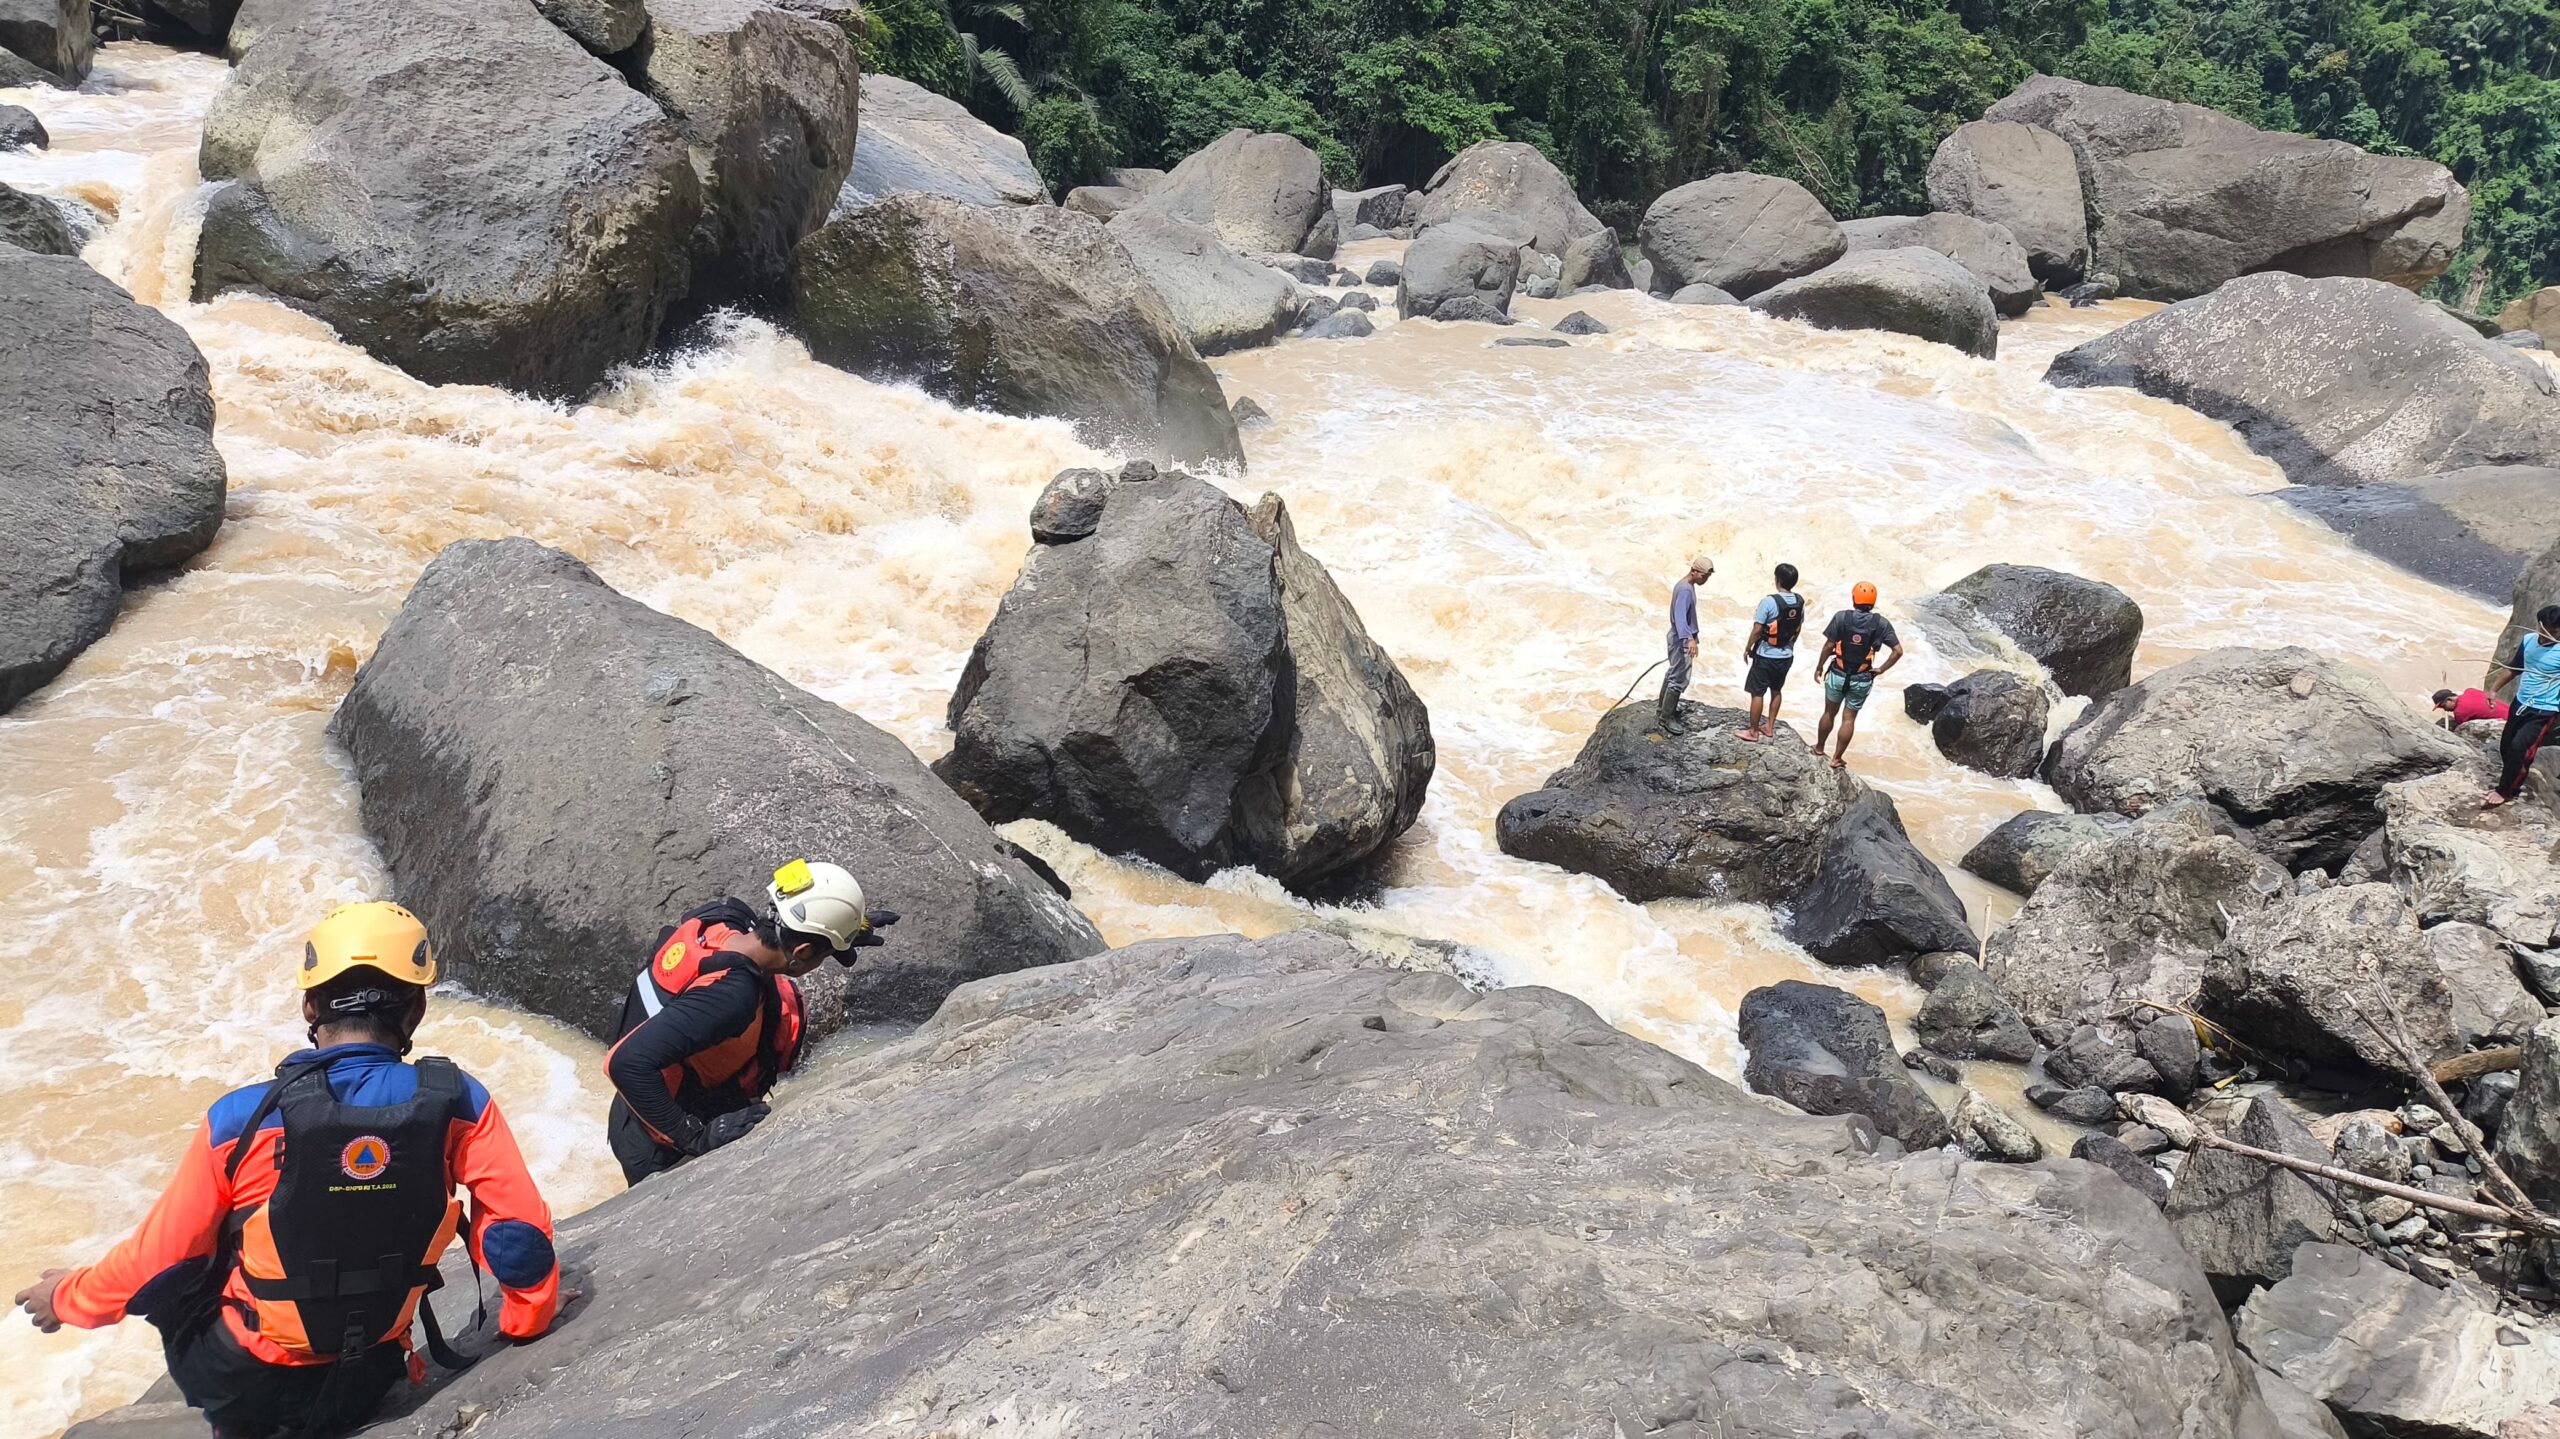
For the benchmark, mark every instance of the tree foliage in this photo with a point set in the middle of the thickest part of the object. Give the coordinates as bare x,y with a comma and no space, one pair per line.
1850,97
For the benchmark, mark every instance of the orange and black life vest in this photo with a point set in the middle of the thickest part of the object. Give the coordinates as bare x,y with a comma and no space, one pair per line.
736,1071
340,1255
1780,631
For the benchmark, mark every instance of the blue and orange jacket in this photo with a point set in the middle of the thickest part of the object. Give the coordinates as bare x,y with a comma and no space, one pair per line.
509,1229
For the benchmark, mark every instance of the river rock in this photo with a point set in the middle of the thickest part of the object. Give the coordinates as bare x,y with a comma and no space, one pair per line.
2490,1004
2022,179
553,771
48,42
2084,631
2078,1106
914,141
2030,845
2169,1045
1986,1132
1379,207
1701,295
2182,199
2394,1355
2130,918
1188,685
1342,325
2290,976
1256,192
1910,291
1021,309
256,17
1594,261
2293,748
2243,1218
1741,233
34,224
2461,864
1967,1017
1102,202
2088,1058
1513,179
360,178
107,464
1826,1051
1987,249
1875,898
607,27
2339,381
1994,722
1275,1188
1222,301
2528,1145
21,130
1580,322
2537,311
2111,1154
1453,262
1699,815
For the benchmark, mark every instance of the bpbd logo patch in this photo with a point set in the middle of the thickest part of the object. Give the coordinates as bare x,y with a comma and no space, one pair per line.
365,1158
673,957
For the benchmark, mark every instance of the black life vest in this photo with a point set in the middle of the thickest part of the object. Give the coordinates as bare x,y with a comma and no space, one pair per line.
1780,633
363,1208
1857,645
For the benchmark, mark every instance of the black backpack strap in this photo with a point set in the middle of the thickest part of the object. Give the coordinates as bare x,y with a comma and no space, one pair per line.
439,1076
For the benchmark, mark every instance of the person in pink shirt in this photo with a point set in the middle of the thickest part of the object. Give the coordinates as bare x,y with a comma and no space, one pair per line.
2470,705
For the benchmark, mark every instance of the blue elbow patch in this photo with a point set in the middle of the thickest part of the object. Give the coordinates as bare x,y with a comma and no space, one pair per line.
517,1253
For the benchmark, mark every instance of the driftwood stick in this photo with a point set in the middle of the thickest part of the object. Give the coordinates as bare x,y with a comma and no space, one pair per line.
2533,1223
2510,1194
2465,1067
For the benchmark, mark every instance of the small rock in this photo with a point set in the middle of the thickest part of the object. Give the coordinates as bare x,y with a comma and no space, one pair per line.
1472,308
20,129
1314,308
2142,1139
2089,1059
2153,1112
1249,414
1702,294
2406,1230
1928,969
2128,1165
1966,1017
2541,971
2079,1106
2363,1146
1535,342
1071,507
1341,325
1580,323
2169,1045
1383,272
1358,300
1923,702
1991,1134
2485,1100
1932,1066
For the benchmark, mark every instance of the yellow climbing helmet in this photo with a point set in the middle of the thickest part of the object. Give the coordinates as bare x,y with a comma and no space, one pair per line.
376,934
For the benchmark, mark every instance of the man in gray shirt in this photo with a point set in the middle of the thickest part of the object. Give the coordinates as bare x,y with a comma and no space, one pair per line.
1682,645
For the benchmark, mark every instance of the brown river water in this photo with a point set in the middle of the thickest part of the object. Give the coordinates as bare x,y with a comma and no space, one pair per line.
1508,522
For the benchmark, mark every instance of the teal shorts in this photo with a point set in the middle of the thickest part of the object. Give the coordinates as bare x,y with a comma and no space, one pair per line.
1840,689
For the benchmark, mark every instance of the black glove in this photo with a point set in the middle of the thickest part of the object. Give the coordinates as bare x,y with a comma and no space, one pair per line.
729,1128
873,922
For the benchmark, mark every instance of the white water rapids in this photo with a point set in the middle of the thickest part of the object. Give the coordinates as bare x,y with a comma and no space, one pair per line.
1508,522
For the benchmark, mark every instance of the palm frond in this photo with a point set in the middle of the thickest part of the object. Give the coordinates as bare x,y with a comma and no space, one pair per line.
1005,76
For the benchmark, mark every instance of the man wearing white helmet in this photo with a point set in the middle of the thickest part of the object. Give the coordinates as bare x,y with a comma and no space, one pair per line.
715,1018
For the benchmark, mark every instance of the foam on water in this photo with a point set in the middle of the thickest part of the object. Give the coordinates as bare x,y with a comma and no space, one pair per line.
1507,521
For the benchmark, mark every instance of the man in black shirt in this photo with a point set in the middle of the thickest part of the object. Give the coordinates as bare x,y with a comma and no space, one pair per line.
1848,668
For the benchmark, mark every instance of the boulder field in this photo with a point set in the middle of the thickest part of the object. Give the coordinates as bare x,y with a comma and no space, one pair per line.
553,771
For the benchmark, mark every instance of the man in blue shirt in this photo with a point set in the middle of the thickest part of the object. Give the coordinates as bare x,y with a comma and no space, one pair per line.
2536,663
1769,651
1682,645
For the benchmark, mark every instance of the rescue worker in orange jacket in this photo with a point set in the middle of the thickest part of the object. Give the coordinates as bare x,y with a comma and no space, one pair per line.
289,1256
714,1019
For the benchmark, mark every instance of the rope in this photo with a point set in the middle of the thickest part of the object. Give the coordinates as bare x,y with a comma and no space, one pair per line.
1631,689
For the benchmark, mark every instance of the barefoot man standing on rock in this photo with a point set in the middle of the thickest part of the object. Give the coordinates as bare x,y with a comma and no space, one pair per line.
1682,644
1768,651
1848,668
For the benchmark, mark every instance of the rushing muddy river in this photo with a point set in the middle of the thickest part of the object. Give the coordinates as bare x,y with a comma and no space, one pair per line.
1507,520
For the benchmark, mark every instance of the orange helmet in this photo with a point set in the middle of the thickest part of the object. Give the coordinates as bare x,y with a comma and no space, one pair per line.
1862,593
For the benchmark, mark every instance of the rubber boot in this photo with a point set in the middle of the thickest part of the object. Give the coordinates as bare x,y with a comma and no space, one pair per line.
1666,712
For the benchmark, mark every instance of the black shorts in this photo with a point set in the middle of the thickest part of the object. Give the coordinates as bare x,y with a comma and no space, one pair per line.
244,1398
1767,676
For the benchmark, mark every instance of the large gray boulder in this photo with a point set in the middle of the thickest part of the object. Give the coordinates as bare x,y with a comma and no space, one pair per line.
1021,309
1967,1017
1875,898
362,179
1910,291
1182,682
553,771
1986,248
21,130
2528,1144
1214,1187
2243,1218
46,42
2084,631
766,100
1456,262
1994,722
2339,381
2295,977
2022,179
1222,301
607,27
1258,193
1826,1051
2496,870
2397,1356
2292,748
1513,179
914,141
1102,202
255,18
34,224
2030,845
1739,232
1380,207
1700,815
2129,919
1595,259
2476,528
107,464
2182,199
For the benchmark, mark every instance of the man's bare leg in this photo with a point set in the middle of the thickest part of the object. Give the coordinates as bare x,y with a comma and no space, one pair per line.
1848,728
1822,732
1752,730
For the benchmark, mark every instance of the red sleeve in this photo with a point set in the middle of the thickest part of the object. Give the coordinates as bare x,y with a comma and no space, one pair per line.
182,1225
510,1225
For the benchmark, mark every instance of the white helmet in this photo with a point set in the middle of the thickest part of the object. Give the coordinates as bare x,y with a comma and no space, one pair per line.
821,899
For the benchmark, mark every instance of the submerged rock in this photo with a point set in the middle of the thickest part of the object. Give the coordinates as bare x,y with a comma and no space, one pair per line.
914,141
1257,193
107,463
553,771
1741,233
1826,1051
1187,685
2030,845
1910,291
1021,309
21,130
2022,179
2084,631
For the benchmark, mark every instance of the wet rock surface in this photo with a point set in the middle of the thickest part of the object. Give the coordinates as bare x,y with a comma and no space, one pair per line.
1910,291
1875,898
1222,301
1741,233
2084,631
2030,845
1994,722
1984,247
1826,1051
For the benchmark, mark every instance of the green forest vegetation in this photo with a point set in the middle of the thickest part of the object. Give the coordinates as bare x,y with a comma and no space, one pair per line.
1849,97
